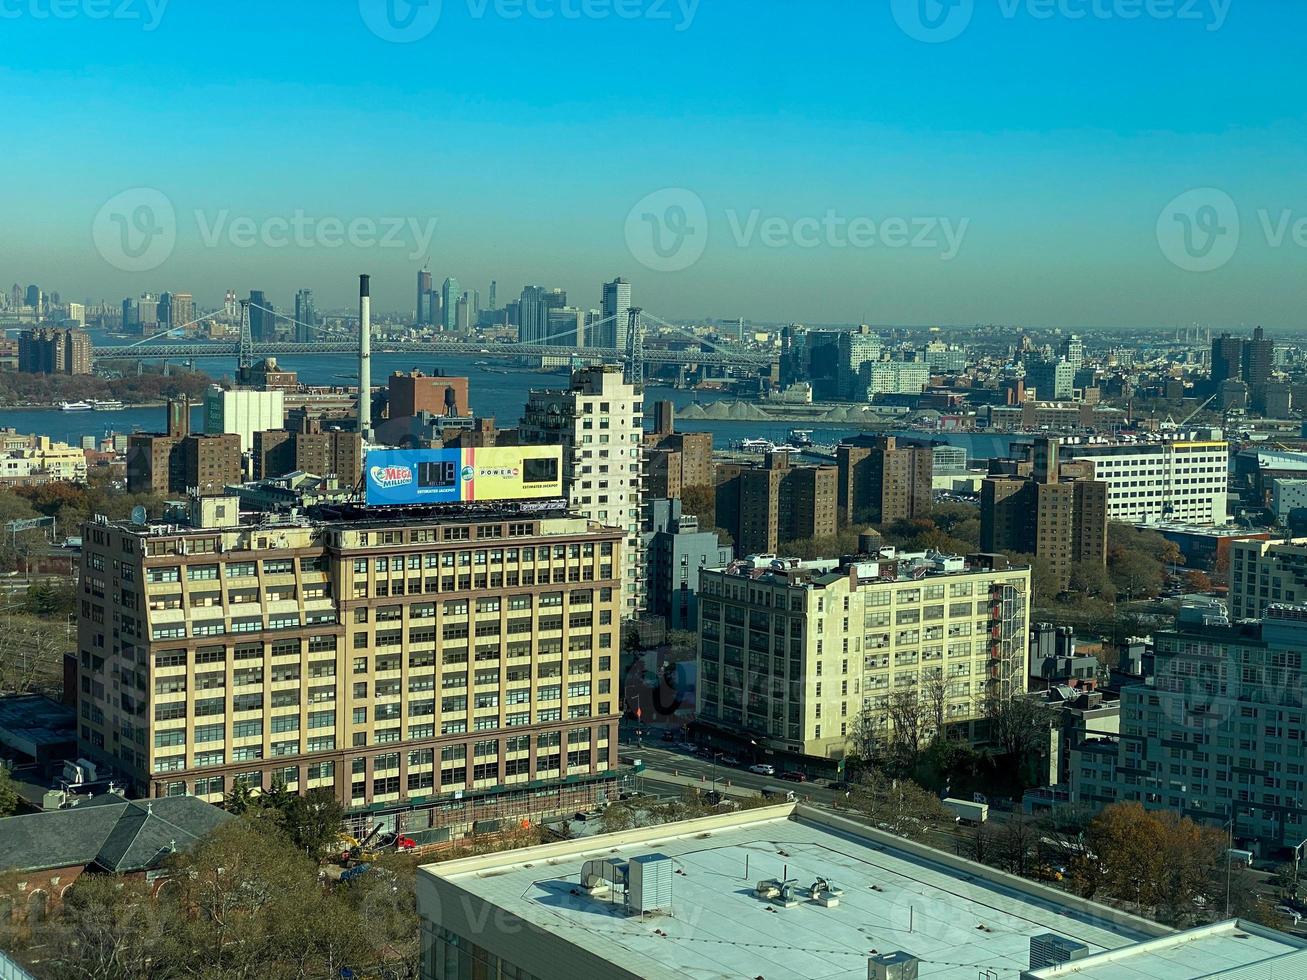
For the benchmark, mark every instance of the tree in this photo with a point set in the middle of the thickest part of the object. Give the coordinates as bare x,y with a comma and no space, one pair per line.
1016,844
1019,726
935,693
1197,581
1043,583
1164,864
9,797
904,715
898,806
1090,578
109,929
700,502
386,900
313,821
1136,575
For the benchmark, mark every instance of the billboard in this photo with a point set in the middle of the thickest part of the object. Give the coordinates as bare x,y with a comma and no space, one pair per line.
396,477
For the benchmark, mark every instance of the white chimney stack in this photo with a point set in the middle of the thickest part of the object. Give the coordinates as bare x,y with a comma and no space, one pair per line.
365,357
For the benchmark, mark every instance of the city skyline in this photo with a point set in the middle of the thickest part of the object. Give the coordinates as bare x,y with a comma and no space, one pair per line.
1035,158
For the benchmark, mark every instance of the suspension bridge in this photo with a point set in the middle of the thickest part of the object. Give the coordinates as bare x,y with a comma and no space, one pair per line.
672,346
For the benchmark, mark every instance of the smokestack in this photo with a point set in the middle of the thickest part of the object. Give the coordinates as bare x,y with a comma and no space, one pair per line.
365,357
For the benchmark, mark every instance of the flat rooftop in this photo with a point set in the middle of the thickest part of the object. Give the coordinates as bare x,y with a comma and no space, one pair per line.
956,917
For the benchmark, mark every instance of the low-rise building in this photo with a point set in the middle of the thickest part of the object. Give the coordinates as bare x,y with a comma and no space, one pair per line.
677,551
793,655
793,891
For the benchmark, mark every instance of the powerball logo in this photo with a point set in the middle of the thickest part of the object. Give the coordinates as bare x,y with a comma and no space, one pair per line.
387,477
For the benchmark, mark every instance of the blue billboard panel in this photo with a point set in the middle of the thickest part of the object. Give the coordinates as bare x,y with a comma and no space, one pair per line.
397,477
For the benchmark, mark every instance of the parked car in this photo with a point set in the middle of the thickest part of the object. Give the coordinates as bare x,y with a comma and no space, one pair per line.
669,736
1291,914
730,760
763,769
794,777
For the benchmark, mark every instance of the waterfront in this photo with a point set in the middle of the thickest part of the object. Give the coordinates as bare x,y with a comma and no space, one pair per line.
494,391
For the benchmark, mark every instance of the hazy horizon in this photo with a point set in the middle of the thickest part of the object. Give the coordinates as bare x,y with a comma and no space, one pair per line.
1044,164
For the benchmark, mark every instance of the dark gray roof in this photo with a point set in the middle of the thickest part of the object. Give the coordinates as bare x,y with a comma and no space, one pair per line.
108,831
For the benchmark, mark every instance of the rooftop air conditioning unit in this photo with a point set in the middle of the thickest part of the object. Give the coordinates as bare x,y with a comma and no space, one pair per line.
1049,949
892,966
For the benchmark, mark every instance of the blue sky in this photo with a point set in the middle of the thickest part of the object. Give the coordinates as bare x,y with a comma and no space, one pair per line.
1051,144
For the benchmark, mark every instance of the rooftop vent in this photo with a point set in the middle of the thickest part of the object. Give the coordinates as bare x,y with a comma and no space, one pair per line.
892,966
649,884
1049,949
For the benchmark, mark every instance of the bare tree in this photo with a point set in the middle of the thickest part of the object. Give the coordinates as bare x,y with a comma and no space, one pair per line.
935,691
898,806
904,713
1017,844
1018,724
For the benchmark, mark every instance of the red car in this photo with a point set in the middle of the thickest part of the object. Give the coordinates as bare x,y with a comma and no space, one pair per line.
794,777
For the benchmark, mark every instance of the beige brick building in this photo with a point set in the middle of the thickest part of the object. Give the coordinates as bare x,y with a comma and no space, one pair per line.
398,663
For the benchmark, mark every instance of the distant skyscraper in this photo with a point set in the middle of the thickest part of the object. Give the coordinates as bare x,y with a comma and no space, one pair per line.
449,295
131,316
1227,357
617,302
306,317
424,297
261,320
494,295
183,309
565,327
1258,355
533,313
33,298
164,307
148,309
463,313
230,305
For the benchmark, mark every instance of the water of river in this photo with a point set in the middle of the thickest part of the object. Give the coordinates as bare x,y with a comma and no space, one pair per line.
495,391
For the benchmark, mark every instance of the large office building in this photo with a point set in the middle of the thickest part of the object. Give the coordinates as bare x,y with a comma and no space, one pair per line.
243,412
424,298
857,350
1183,479
432,664
764,506
449,296
797,892
1265,573
1045,510
615,320
49,351
263,317
881,481
1052,380
1217,735
599,422
306,317
416,393
792,653
897,377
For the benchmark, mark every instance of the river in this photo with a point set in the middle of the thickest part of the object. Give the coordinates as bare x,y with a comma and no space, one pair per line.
494,391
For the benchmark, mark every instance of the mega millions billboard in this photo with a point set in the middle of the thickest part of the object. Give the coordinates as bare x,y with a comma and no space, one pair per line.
441,476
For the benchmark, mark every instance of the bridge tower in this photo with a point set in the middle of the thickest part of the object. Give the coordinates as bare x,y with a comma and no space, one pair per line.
245,347
635,347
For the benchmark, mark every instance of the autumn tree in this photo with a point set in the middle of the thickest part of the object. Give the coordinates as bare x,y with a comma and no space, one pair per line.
1165,865
109,928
